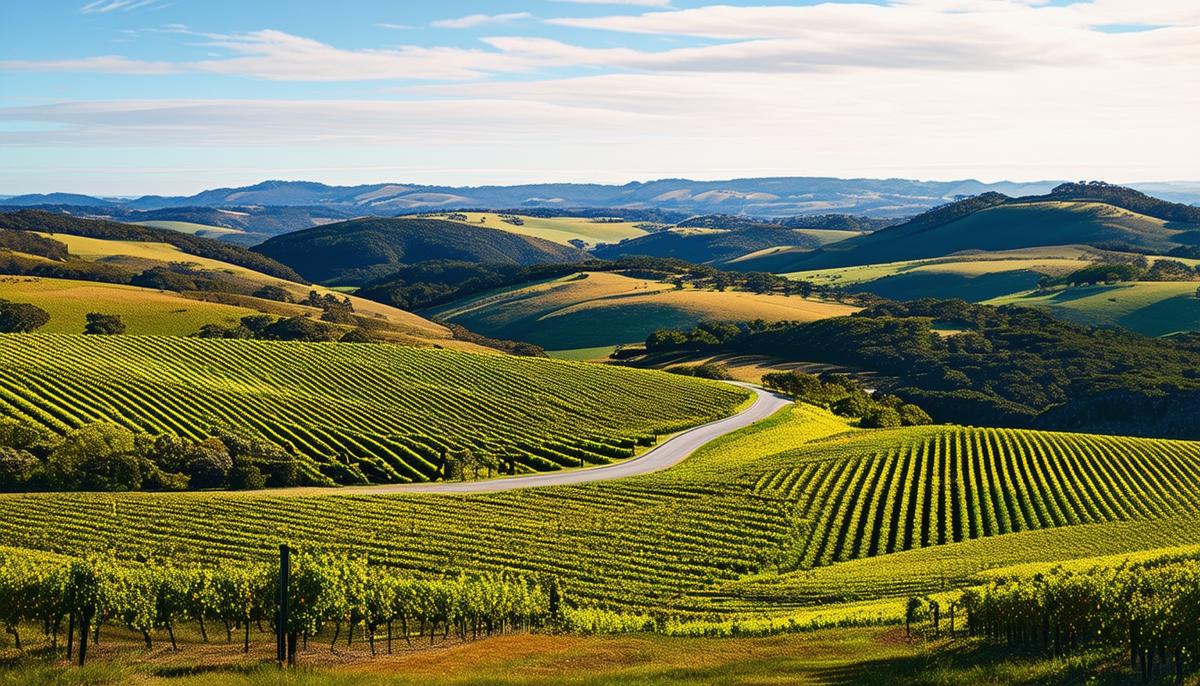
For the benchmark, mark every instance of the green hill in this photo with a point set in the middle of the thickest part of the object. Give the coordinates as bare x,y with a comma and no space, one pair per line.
703,245
354,251
594,309
355,413
52,223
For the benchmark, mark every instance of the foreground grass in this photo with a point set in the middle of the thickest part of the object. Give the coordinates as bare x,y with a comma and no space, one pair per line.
835,657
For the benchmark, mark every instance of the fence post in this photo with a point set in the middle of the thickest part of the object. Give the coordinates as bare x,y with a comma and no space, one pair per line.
281,621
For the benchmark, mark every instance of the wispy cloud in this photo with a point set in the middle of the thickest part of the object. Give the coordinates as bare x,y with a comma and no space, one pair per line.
107,64
105,6
398,27
473,20
632,3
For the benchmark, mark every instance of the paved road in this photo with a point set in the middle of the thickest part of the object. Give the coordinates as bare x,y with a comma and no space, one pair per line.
670,453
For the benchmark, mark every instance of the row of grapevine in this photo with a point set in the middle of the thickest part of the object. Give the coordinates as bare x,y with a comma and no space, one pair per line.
79,596
1151,611
378,413
885,492
798,490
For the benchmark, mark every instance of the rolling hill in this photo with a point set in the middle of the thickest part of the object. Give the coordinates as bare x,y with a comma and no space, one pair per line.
703,245
354,251
596,309
1073,214
561,230
355,413
97,261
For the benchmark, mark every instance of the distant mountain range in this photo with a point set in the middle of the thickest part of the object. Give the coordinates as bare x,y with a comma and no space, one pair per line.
762,197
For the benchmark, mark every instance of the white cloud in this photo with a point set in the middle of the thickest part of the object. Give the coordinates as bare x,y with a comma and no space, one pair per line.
473,20
107,64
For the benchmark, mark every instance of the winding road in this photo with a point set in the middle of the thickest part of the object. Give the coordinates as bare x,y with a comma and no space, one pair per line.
671,452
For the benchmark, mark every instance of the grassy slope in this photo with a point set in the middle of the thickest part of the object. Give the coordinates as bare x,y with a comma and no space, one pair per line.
560,229
1005,227
1150,308
417,328
837,657
192,227
144,310
601,308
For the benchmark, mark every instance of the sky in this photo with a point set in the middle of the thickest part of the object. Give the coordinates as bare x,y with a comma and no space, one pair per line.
131,97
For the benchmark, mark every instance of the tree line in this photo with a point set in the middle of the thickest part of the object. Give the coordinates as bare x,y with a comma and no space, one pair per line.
69,600
996,366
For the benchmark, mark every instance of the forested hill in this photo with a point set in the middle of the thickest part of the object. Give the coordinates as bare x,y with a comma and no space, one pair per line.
50,222
989,366
359,250
1099,215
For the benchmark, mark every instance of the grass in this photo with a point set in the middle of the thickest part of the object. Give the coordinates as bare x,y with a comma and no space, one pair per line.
595,309
1150,308
560,230
1005,227
192,228
583,354
836,657
144,310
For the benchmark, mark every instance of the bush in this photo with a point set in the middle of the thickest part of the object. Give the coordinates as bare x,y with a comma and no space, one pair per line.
104,324
703,371
880,417
21,317
272,292
16,467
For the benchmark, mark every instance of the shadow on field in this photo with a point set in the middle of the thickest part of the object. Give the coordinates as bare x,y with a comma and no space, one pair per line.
978,665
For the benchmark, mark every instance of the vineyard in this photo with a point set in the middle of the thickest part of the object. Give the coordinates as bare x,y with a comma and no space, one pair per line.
355,413
737,530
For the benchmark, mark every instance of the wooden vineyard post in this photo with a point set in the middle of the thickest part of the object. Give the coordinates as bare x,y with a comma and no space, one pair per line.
281,621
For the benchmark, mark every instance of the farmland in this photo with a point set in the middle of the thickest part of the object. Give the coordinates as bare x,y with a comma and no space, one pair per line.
731,531
592,309
386,415
1153,308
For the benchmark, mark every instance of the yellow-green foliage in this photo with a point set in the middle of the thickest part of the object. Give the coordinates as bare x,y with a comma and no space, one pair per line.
382,413
800,489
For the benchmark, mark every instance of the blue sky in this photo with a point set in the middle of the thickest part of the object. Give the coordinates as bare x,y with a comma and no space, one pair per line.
172,96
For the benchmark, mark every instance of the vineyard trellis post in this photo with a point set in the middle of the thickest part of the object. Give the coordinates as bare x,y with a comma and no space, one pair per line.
281,621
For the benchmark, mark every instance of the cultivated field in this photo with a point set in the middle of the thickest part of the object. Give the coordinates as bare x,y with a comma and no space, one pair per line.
355,413
593,309
764,528
206,230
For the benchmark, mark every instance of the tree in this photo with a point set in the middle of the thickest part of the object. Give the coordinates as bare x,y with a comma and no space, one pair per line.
357,335
273,292
104,324
880,417
21,317
208,463
99,456
16,467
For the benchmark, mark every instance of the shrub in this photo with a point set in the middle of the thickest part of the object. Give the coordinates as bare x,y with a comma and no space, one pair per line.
104,324
21,317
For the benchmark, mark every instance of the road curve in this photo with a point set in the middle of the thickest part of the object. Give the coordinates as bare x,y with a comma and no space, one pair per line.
669,453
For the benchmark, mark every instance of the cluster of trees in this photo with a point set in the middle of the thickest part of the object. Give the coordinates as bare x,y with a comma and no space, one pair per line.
1150,611
52,593
844,396
26,317
109,457
33,244
1127,198
702,371
267,327
1008,366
